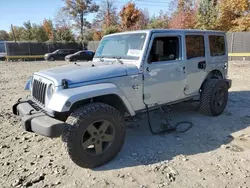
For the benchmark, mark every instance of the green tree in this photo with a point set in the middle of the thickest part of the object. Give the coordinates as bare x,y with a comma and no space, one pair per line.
160,21
111,30
4,35
64,34
27,34
38,33
18,32
207,16
78,10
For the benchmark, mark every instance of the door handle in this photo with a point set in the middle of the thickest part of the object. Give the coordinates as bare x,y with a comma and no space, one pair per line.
148,69
202,65
135,87
179,69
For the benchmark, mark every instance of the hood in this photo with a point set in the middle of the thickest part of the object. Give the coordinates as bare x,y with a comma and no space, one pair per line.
69,56
86,72
47,54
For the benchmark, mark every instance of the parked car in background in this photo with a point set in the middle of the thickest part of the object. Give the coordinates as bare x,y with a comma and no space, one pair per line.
59,54
81,55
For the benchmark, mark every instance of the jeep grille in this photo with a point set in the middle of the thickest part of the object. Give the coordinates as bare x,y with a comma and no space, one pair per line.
39,91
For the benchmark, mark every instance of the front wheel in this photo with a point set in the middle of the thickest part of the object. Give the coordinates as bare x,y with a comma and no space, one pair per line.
51,59
95,136
214,97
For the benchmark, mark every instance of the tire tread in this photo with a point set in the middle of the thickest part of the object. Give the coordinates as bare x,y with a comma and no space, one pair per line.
76,117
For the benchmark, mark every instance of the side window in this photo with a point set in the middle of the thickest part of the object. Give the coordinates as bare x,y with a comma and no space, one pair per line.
217,45
164,49
61,52
65,51
195,46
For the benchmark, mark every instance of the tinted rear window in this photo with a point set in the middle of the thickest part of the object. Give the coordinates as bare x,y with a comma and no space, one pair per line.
195,46
217,45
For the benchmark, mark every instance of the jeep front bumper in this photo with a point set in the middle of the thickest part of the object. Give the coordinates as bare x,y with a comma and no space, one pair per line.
37,121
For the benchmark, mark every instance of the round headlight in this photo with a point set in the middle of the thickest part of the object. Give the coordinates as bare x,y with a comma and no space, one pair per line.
31,82
50,91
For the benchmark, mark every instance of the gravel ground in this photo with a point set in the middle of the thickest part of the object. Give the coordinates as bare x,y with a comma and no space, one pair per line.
214,153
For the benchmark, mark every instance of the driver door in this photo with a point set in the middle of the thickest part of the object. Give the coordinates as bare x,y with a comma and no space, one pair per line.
164,70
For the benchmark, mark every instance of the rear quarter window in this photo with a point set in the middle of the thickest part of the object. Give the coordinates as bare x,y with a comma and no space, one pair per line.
217,45
195,46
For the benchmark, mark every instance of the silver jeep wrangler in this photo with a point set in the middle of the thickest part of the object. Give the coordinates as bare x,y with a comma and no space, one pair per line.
86,102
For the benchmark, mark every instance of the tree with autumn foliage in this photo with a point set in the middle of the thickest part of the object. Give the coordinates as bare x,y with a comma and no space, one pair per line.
242,23
185,14
49,29
106,19
130,17
78,10
97,35
107,15
234,15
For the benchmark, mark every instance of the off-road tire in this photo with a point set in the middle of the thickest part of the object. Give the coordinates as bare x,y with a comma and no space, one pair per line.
206,101
78,122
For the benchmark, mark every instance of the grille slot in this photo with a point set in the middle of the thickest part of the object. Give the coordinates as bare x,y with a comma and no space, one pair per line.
39,91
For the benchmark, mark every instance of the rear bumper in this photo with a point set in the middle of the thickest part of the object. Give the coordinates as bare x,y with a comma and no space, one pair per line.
37,121
229,83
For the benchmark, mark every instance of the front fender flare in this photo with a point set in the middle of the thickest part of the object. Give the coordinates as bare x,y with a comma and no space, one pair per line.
58,100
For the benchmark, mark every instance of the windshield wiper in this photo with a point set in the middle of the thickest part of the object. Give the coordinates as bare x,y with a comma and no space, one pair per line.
100,58
118,59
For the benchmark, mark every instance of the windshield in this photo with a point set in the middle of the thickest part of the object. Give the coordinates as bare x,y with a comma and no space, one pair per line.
55,52
77,53
124,46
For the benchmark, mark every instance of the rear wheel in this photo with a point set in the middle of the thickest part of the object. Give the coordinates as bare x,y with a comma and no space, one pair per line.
95,136
214,97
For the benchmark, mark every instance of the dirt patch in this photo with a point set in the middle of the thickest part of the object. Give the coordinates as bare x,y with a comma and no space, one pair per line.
214,153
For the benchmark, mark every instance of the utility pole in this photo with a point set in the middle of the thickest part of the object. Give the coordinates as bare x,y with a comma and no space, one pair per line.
13,32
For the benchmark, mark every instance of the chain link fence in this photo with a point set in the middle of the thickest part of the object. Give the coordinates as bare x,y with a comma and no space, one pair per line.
238,47
34,48
239,42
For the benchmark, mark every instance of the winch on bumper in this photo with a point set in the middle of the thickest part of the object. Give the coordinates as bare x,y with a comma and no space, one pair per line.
36,121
